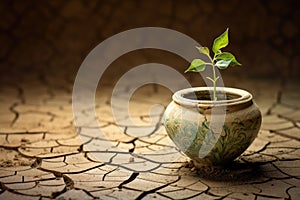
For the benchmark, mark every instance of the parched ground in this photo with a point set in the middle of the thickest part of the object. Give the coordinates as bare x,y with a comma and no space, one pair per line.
42,155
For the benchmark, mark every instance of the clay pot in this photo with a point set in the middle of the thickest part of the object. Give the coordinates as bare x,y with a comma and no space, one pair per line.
212,133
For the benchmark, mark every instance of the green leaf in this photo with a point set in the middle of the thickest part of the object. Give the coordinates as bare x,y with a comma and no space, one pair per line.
220,42
227,56
197,65
222,64
203,50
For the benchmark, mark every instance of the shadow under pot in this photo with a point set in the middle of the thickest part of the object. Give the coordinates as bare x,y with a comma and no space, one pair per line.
210,132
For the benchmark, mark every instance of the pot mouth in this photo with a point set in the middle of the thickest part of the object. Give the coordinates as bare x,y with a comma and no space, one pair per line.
201,96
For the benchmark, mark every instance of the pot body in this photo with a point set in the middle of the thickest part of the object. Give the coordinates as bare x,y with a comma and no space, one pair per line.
212,132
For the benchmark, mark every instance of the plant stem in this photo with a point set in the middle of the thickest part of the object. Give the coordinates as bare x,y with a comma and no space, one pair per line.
214,78
214,83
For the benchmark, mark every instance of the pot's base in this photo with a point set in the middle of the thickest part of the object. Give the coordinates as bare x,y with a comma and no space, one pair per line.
232,171
206,167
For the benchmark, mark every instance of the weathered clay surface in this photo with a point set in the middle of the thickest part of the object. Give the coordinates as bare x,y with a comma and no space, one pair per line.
42,155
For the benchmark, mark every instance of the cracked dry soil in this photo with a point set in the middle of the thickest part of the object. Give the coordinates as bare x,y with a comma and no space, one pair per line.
42,156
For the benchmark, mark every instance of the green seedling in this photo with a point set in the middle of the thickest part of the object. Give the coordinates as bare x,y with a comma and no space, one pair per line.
220,59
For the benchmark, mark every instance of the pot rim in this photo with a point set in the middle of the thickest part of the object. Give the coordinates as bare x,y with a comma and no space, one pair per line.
244,96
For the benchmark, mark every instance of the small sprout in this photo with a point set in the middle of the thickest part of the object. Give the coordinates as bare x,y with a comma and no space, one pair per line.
220,59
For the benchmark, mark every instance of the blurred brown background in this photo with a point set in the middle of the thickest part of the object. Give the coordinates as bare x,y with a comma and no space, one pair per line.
51,38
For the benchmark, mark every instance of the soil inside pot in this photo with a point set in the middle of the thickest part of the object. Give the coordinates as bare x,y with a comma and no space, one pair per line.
205,95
